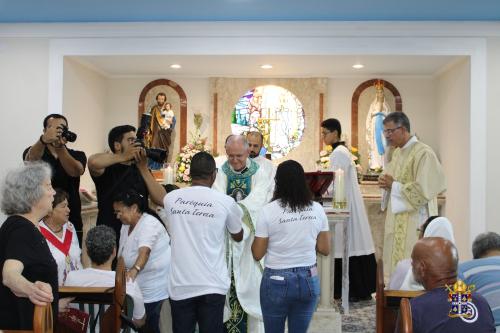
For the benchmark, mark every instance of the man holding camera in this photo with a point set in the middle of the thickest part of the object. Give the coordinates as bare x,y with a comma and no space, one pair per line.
67,164
116,172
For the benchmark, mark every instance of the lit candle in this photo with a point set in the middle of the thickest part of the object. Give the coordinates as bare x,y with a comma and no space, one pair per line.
168,175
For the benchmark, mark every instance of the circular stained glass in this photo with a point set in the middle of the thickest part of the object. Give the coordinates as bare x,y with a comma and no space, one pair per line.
276,113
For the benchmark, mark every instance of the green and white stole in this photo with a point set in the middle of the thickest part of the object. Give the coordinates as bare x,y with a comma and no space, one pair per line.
239,184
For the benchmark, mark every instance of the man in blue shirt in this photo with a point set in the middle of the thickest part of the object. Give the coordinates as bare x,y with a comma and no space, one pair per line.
434,264
484,271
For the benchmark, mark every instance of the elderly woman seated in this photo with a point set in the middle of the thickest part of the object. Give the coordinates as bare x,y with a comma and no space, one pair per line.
29,273
61,236
101,249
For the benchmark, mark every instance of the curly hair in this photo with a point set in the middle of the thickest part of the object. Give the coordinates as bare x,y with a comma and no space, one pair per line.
100,242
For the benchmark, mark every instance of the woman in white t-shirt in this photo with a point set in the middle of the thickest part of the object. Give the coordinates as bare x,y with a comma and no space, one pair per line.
145,248
61,237
289,231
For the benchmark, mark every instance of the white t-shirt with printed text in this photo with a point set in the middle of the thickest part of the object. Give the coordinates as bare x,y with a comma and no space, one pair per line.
198,218
292,235
153,277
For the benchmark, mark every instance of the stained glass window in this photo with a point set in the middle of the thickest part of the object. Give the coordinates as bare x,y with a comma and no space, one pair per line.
276,113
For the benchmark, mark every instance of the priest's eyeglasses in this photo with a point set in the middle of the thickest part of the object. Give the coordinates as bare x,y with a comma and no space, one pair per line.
389,131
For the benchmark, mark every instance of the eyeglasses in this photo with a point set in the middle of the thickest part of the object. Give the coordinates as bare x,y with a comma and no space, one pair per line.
389,131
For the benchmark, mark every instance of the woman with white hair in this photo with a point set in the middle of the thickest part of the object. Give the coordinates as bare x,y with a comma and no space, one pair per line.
29,272
434,226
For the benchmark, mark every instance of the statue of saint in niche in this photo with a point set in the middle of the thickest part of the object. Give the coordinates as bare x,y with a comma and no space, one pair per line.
162,124
379,109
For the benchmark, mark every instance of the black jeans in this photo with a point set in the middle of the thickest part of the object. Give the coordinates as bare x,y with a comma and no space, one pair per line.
207,310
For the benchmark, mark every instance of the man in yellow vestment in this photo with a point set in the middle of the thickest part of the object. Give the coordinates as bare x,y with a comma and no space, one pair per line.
411,181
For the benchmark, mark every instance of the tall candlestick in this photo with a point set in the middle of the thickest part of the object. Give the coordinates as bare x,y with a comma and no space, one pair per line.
339,198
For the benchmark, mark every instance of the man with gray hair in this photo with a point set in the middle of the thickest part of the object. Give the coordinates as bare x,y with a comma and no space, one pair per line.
411,183
251,186
101,249
484,270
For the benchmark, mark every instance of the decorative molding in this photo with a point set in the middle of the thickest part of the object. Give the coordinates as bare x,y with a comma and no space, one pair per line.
252,29
355,99
182,106
321,116
214,134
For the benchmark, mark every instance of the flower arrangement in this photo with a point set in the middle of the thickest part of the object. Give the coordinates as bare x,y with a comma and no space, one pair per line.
355,155
324,158
187,152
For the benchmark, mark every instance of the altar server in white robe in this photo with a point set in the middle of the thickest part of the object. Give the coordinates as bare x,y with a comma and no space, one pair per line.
412,181
362,264
249,185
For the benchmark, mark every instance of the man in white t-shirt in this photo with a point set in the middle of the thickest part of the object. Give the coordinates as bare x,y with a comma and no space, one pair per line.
198,218
101,249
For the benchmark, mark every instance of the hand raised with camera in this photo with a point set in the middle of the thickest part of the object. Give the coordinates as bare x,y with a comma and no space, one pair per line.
133,152
52,133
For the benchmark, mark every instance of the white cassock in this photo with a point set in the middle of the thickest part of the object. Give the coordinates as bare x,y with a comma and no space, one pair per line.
248,272
360,237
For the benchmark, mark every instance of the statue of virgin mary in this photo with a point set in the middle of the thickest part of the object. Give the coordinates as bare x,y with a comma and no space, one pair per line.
379,109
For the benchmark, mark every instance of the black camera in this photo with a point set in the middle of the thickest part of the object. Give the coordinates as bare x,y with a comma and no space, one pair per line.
156,154
67,134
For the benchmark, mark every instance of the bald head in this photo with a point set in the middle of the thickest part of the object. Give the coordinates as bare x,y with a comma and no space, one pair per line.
434,262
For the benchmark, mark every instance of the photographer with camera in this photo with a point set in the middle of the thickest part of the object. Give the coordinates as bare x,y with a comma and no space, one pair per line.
67,164
116,172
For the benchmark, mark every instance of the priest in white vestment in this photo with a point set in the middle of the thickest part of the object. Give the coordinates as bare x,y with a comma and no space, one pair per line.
412,181
362,263
249,185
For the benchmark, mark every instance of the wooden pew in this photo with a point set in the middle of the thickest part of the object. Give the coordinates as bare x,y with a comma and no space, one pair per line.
114,297
405,321
388,302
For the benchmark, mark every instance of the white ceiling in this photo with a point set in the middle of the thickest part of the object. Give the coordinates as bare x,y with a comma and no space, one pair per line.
283,65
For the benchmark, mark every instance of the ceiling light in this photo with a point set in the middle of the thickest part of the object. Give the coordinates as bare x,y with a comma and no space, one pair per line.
266,66
175,66
358,66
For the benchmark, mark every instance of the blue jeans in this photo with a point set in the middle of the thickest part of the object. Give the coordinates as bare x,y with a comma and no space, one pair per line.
153,315
289,293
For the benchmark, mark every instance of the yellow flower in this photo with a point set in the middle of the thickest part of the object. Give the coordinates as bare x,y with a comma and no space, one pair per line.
329,148
182,168
354,149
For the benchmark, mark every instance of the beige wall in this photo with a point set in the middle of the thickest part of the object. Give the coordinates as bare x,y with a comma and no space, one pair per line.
123,98
417,93
453,103
493,136
84,104
23,96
